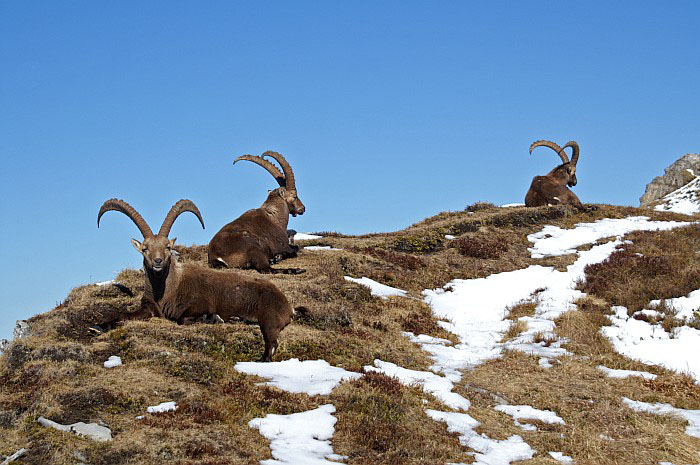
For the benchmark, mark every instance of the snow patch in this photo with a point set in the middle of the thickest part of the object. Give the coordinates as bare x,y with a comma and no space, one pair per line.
685,200
303,437
162,407
439,386
691,416
651,344
526,412
113,361
553,240
511,205
683,306
378,289
313,377
560,457
612,373
320,247
490,451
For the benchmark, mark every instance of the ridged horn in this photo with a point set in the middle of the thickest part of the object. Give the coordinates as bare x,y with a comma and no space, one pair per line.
272,169
121,206
574,146
181,206
553,146
290,184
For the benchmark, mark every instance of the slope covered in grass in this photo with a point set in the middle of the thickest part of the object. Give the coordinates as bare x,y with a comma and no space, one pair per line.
58,371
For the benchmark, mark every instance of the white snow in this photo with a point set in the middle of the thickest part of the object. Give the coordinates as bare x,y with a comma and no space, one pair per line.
510,205
105,283
685,199
312,377
162,407
320,247
526,412
612,373
378,289
560,457
306,237
450,237
691,416
300,438
553,240
113,361
490,451
651,344
683,306
475,309
436,385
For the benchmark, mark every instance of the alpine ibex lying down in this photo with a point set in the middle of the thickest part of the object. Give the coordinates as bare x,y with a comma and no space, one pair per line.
259,236
551,189
184,293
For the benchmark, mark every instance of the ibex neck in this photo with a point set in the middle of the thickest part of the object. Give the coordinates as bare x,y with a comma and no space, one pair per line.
277,209
159,285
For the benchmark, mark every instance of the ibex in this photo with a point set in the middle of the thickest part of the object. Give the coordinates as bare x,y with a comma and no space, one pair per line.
551,189
259,236
185,293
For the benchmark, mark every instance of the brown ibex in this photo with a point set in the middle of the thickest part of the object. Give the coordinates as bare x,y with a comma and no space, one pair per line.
551,189
259,236
184,293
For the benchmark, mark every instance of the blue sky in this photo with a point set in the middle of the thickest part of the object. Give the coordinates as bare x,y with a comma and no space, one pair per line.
388,111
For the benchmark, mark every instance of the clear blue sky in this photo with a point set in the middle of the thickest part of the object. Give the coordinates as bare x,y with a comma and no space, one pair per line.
389,112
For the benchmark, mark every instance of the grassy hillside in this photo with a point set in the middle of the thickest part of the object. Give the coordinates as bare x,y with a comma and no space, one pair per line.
57,372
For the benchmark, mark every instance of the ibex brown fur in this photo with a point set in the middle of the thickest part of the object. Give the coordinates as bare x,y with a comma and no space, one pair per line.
185,293
551,189
259,236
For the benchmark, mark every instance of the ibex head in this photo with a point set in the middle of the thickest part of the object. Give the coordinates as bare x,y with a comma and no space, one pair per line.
288,188
567,170
156,249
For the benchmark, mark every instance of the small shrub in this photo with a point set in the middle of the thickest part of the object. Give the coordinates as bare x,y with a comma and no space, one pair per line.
480,247
419,244
419,323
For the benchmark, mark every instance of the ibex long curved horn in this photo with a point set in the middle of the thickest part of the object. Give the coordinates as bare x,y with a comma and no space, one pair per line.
286,167
128,210
553,146
574,146
272,169
181,206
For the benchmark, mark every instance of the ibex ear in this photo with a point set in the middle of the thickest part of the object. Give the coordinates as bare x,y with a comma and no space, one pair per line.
172,241
136,244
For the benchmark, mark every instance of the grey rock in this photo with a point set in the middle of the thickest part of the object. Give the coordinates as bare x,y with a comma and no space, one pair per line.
675,176
13,457
21,330
90,430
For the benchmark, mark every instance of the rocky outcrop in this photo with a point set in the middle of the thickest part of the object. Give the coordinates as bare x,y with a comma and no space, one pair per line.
21,330
675,177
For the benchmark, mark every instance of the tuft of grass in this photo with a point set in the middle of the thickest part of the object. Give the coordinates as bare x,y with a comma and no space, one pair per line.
514,330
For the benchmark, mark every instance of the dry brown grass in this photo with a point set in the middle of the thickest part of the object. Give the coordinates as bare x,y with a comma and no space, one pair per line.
656,265
58,371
